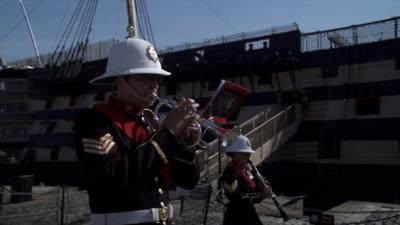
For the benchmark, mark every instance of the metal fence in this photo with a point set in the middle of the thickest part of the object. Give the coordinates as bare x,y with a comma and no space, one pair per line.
94,51
231,38
99,50
352,35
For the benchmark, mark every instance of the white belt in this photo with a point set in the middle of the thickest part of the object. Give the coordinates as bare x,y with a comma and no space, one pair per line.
133,217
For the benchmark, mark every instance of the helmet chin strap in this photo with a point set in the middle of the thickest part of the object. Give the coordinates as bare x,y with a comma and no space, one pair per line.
124,84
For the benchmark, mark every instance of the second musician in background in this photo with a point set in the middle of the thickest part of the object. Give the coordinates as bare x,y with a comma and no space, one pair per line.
242,185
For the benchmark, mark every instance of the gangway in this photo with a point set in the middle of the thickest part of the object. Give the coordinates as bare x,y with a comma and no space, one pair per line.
266,135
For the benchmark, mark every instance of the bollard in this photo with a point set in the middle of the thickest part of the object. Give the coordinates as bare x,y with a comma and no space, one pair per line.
21,188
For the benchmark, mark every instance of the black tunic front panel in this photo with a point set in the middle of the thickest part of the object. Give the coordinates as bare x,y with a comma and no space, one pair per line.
129,175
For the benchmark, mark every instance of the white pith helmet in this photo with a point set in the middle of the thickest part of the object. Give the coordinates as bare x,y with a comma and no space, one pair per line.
128,57
241,144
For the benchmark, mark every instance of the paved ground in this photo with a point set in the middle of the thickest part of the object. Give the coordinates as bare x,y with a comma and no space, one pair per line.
45,209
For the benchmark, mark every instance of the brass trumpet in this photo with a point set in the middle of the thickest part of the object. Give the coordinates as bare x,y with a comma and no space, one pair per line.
208,125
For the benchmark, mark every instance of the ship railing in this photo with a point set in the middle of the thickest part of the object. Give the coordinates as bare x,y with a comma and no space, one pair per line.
376,31
230,38
93,52
346,36
266,134
100,50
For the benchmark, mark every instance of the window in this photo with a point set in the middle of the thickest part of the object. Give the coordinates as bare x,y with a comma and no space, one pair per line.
13,107
73,100
328,67
13,133
171,89
213,85
266,43
368,105
51,126
2,85
265,78
100,96
257,44
15,85
49,103
21,132
198,56
22,107
54,154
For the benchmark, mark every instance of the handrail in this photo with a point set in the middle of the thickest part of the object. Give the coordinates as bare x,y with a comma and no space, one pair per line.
289,119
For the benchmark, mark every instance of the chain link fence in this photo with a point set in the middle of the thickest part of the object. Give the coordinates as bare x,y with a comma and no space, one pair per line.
352,35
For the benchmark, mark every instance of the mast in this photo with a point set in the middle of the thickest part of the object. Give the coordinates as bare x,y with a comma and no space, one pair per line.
132,23
31,33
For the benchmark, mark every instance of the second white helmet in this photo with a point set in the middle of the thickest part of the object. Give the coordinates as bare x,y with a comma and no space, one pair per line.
129,57
240,144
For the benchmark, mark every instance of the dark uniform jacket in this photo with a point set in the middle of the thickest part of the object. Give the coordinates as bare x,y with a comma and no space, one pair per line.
242,189
132,172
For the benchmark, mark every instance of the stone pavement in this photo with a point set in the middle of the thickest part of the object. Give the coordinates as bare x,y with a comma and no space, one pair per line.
45,209
359,212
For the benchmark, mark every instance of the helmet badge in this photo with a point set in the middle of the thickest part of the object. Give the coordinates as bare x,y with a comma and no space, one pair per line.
151,53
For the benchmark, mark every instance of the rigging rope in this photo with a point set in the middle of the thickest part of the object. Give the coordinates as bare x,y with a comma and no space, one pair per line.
117,21
144,24
76,36
61,24
65,35
76,51
30,12
151,35
220,16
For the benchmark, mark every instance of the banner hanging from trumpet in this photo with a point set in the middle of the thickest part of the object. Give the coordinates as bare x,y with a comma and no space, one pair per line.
225,101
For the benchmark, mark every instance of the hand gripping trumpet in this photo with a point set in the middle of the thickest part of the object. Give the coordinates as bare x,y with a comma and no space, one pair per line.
202,124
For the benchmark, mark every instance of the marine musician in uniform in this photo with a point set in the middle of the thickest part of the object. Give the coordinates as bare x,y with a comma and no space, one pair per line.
127,157
242,185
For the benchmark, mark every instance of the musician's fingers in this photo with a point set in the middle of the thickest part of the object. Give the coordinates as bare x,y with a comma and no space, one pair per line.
184,112
195,106
189,104
193,131
189,118
180,101
192,127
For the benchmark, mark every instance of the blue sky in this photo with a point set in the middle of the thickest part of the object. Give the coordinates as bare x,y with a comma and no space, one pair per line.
178,21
